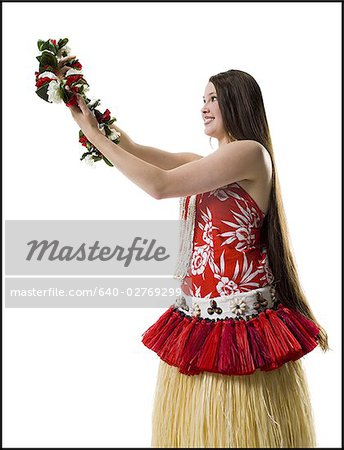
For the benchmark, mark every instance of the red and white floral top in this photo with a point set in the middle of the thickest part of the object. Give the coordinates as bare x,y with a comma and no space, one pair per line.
228,255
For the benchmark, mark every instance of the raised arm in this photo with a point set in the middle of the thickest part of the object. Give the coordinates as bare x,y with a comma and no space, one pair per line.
232,162
235,161
159,158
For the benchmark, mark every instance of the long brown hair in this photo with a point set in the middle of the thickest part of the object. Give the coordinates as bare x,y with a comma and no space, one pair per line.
243,114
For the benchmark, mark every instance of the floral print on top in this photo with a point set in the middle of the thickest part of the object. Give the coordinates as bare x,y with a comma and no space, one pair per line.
228,255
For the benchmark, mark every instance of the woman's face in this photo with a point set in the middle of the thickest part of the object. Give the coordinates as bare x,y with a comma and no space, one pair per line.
211,114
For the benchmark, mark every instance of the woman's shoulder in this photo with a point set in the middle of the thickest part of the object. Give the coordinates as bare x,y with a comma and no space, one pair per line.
244,143
255,148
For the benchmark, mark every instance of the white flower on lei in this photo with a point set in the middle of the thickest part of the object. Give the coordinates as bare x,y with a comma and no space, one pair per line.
48,74
64,50
114,135
85,88
92,102
54,92
73,72
89,161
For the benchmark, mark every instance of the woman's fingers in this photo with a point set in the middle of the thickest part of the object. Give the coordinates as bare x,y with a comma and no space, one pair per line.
65,69
82,105
64,60
62,71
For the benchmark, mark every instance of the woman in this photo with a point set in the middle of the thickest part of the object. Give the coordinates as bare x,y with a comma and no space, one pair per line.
230,373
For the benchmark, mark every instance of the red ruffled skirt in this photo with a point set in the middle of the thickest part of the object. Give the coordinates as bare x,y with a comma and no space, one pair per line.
231,346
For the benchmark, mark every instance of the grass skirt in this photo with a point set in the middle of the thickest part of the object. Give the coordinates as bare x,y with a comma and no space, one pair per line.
265,409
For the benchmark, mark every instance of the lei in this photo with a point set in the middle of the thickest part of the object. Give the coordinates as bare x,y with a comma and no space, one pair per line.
52,89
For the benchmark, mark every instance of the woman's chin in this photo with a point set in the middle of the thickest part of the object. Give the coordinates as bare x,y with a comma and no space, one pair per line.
209,133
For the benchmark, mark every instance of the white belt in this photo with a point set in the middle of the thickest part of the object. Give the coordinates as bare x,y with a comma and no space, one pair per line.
238,305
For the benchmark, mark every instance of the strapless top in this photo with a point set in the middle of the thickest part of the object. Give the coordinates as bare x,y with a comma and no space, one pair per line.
228,255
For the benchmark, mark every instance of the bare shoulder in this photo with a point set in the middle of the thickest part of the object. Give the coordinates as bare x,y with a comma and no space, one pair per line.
258,184
254,154
249,148
243,145
246,146
266,158
265,166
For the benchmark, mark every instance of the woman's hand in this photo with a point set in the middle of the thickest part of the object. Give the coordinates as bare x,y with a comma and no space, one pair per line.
85,119
62,69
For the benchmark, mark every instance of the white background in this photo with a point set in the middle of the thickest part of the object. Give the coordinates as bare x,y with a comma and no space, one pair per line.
81,377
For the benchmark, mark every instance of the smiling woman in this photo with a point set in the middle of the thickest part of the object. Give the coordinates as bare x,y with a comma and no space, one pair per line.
231,345
212,116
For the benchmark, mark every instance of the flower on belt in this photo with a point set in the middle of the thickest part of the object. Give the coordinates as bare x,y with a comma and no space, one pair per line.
273,293
237,305
196,310
214,308
261,302
181,303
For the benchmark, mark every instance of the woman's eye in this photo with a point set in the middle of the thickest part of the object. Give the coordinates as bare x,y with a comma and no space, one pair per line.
214,96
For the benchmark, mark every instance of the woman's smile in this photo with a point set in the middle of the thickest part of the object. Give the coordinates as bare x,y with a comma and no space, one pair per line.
207,120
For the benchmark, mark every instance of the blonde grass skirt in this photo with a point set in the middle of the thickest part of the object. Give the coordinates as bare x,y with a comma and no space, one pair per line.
265,409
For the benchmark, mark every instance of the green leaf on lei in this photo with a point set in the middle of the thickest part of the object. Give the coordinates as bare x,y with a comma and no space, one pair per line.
40,44
47,59
83,156
108,162
43,92
62,42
